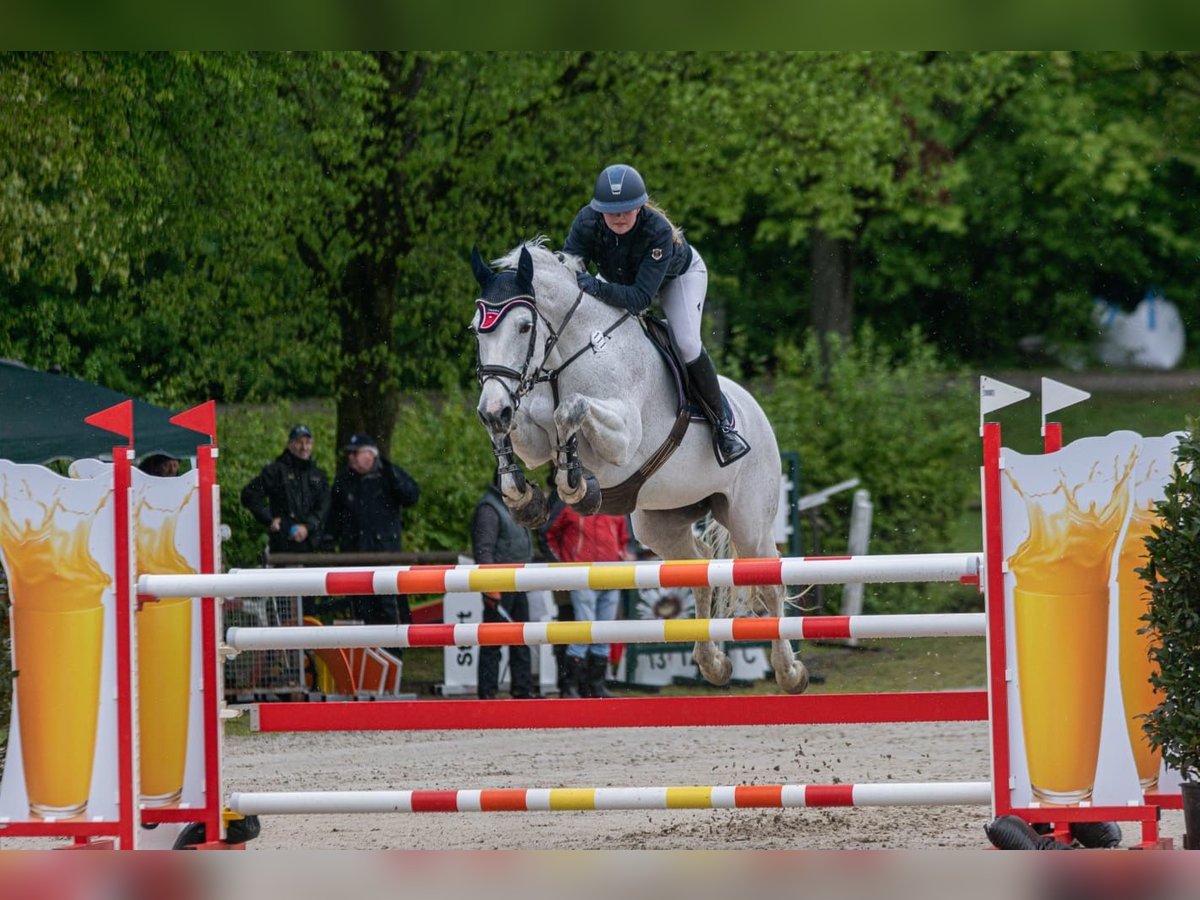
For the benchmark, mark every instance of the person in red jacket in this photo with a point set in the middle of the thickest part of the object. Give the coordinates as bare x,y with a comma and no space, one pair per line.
570,537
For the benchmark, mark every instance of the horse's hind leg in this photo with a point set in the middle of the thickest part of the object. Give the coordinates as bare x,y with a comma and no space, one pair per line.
669,534
752,540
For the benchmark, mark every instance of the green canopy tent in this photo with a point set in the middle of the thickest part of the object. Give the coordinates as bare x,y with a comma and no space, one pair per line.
41,419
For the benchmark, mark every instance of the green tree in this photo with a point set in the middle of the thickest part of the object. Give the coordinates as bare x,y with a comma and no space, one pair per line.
1082,185
148,204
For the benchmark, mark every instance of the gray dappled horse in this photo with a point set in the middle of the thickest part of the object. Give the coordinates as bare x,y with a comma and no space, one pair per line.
565,377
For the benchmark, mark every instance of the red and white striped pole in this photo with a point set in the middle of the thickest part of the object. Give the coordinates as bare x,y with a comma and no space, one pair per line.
881,569
756,796
621,631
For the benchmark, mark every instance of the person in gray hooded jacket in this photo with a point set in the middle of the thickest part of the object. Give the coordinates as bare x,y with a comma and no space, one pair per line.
497,538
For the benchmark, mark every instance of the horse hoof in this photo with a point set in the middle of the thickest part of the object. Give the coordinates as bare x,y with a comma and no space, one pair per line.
719,672
533,512
793,680
589,504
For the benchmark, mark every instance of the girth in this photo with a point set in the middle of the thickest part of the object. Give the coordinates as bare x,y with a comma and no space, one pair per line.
621,499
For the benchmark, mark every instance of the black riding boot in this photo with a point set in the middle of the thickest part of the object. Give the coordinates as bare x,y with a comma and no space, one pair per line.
597,669
728,445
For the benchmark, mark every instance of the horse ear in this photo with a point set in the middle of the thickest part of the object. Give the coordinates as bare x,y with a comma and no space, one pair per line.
483,272
525,271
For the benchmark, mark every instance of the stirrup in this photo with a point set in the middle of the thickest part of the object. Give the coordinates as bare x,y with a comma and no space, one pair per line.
728,445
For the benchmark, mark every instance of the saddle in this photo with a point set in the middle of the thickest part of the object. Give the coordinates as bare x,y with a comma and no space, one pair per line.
659,335
621,499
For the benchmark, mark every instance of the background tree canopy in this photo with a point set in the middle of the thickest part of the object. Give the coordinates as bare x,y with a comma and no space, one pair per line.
266,227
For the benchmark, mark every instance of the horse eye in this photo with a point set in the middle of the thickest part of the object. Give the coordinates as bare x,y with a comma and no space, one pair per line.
525,326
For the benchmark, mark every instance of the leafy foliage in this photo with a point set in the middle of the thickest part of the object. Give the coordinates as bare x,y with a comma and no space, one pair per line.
1172,571
248,226
438,441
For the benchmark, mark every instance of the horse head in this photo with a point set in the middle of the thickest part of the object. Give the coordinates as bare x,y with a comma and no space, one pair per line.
506,335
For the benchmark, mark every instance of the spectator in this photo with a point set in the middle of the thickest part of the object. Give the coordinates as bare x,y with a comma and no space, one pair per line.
290,496
161,465
366,514
570,537
497,538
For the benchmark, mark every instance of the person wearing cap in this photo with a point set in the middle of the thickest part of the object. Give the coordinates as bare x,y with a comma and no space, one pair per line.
290,496
366,513
642,256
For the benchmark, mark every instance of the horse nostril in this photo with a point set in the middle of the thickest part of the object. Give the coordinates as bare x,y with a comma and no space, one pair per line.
497,421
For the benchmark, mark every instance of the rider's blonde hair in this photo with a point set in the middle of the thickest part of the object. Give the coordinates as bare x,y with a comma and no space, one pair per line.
676,231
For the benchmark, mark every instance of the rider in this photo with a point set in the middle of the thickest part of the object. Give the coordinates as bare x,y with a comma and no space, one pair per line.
640,254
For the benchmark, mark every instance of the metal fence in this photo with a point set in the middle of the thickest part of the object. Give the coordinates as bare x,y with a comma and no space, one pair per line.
256,672
259,674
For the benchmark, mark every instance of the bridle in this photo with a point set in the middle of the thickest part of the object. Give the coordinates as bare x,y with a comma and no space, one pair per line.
490,316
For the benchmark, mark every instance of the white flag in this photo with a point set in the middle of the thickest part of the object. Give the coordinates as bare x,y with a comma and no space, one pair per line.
1056,396
994,395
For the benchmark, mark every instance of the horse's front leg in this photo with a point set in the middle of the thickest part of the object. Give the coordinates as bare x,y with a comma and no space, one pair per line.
526,502
613,431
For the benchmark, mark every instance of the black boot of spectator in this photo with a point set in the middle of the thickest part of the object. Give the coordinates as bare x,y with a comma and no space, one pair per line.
577,677
597,669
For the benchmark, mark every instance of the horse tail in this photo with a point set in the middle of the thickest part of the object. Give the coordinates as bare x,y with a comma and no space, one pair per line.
729,602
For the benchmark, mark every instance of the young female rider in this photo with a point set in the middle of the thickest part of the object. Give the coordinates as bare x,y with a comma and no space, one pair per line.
640,254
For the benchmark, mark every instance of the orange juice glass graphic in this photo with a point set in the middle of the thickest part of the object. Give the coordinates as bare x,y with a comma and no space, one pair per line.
1136,667
58,629
1060,615
164,663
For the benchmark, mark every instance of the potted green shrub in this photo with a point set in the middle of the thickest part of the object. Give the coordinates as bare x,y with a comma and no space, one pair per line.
1172,571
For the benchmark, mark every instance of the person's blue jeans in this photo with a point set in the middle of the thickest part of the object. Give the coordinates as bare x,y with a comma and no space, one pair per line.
593,606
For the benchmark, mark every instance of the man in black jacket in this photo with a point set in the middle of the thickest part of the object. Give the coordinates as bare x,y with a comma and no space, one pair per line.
290,496
366,513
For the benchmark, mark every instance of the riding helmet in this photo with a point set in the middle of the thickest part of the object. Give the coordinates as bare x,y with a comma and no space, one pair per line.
619,189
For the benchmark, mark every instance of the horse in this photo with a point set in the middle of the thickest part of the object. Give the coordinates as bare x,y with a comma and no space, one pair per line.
564,377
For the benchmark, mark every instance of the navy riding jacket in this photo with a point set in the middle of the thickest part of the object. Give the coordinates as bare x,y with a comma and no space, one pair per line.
634,264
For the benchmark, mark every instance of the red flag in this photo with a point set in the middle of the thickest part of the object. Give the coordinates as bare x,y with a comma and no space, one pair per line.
202,418
117,419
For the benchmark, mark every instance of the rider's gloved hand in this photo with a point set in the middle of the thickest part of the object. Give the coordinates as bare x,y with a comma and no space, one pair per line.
588,283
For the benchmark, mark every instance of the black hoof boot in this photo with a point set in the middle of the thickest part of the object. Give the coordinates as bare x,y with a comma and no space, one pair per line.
534,511
590,504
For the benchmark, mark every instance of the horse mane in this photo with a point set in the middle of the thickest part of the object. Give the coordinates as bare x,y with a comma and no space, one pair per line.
554,270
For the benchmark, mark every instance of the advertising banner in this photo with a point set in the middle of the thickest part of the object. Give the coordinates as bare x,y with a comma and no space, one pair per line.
56,545
1074,525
